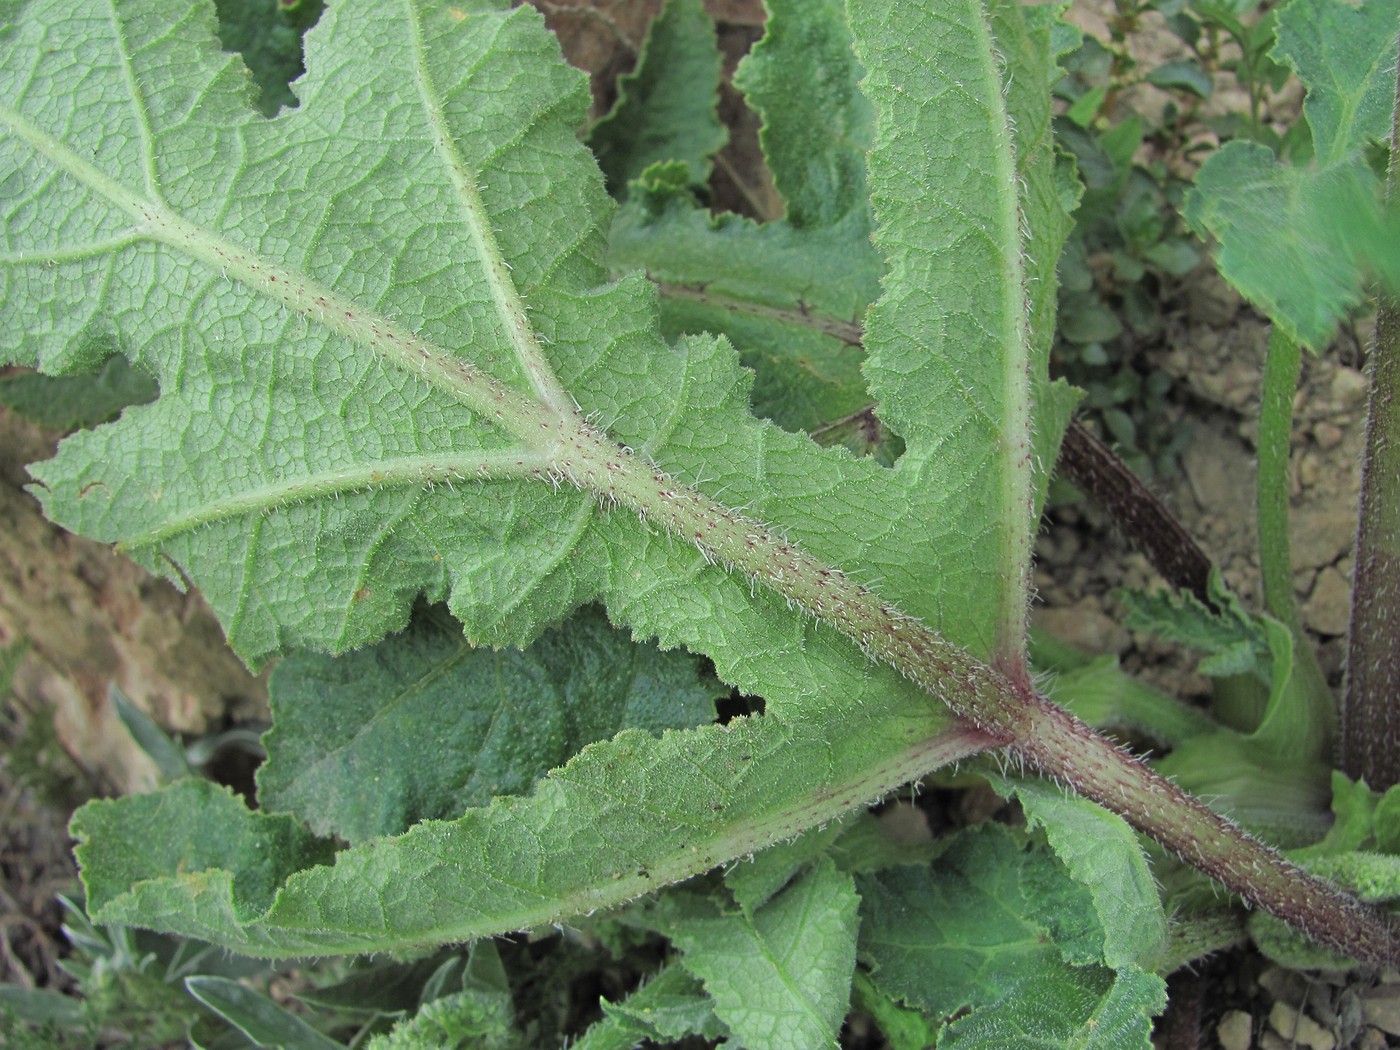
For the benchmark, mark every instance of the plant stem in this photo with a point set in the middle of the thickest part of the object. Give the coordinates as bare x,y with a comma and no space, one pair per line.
1371,706
1012,714
1106,480
1309,689
1282,367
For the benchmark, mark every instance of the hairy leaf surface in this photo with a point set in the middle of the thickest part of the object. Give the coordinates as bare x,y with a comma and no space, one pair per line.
779,977
666,108
371,320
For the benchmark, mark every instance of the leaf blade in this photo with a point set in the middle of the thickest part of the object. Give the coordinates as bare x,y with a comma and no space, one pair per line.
622,818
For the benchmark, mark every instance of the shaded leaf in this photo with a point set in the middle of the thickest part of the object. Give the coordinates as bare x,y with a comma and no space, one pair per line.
666,108
982,931
1102,853
669,1006
262,1020
424,726
69,402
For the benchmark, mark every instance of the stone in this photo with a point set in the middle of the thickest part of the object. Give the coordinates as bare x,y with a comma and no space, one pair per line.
1327,435
1348,388
1381,1007
1086,625
1299,1028
1321,533
1328,608
1235,1031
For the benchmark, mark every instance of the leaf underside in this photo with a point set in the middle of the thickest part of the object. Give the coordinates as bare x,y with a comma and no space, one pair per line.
315,294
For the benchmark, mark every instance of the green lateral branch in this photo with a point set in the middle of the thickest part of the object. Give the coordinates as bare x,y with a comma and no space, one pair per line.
1030,725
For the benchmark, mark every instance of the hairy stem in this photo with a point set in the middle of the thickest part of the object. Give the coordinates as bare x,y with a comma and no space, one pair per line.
1370,747
1371,711
1108,482
1033,727
1282,367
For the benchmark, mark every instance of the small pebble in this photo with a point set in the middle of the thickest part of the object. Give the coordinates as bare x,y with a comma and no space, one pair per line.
1328,609
1327,435
1348,388
1381,1008
1235,1031
1299,1028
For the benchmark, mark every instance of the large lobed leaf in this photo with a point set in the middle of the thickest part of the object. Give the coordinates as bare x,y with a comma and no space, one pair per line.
355,311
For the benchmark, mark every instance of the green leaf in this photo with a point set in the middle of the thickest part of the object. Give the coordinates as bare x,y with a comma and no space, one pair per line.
1345,56
1354,823
1387,821
1118,1020
1272,226
961,311
802,80
780,978
380,986
1292,725
170,831
755,881
263,1021
669,1006
905,1029
345,751
437,395
39,1006
1103,853
167,755
1282,230
1235,641
981,931
70,402
267,33
622,818
461,1021
1185,74
666,108
789,293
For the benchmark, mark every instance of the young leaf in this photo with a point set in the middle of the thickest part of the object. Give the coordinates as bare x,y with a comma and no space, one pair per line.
669,1006
780,977
1283,230
666,108
996,930
456,1022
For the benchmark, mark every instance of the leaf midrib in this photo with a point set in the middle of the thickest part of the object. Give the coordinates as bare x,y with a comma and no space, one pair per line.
477,390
